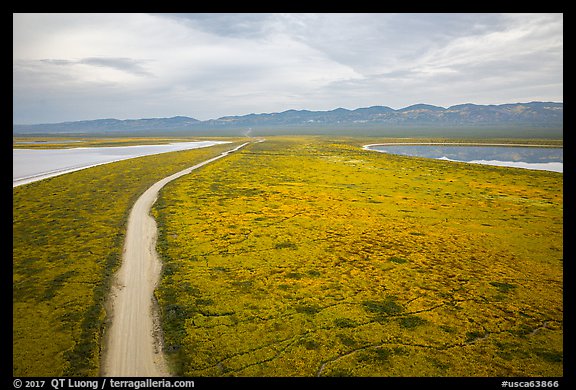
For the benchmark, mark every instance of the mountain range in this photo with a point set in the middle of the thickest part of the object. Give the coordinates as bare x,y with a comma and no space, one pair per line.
373,120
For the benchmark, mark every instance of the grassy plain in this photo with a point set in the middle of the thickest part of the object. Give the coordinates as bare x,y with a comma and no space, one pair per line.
313,257
67,241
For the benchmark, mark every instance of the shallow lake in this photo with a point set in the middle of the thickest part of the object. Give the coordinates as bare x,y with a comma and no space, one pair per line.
36,164
529,157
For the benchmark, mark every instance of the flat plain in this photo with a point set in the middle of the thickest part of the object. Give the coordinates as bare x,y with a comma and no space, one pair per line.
67,239
312,257
301,256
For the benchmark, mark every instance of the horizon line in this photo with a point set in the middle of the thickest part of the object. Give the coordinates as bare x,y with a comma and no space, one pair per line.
280,112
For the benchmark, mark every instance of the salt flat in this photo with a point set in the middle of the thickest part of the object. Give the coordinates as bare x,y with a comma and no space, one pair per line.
31,165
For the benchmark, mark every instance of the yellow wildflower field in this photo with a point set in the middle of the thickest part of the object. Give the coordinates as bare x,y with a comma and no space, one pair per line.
67,238
313,257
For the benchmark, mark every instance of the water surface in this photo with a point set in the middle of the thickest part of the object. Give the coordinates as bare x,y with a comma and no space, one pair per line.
36,164
528,157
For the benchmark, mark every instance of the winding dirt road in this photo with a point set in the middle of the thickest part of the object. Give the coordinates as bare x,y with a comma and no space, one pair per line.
133,341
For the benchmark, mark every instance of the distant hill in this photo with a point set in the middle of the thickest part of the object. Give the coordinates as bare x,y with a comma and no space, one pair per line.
108,126
367,120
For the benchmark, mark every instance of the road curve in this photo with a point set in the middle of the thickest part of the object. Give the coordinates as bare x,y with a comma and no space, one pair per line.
133,342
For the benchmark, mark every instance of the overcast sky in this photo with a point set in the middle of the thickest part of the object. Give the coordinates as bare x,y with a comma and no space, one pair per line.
69,67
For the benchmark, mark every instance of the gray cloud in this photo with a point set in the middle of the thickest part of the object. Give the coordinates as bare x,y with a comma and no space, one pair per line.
58,62
244,25
124,64
128,65
71,67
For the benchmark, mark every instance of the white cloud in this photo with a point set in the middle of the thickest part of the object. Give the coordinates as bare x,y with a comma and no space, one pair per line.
83,66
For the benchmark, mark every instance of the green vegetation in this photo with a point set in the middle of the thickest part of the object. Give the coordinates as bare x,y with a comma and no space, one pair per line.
301,256
67,240
313,257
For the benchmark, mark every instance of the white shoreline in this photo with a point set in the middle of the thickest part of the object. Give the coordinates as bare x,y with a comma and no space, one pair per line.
68,169
366,147
46,175
549,166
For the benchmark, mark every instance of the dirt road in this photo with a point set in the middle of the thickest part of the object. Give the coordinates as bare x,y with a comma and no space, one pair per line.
133,341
